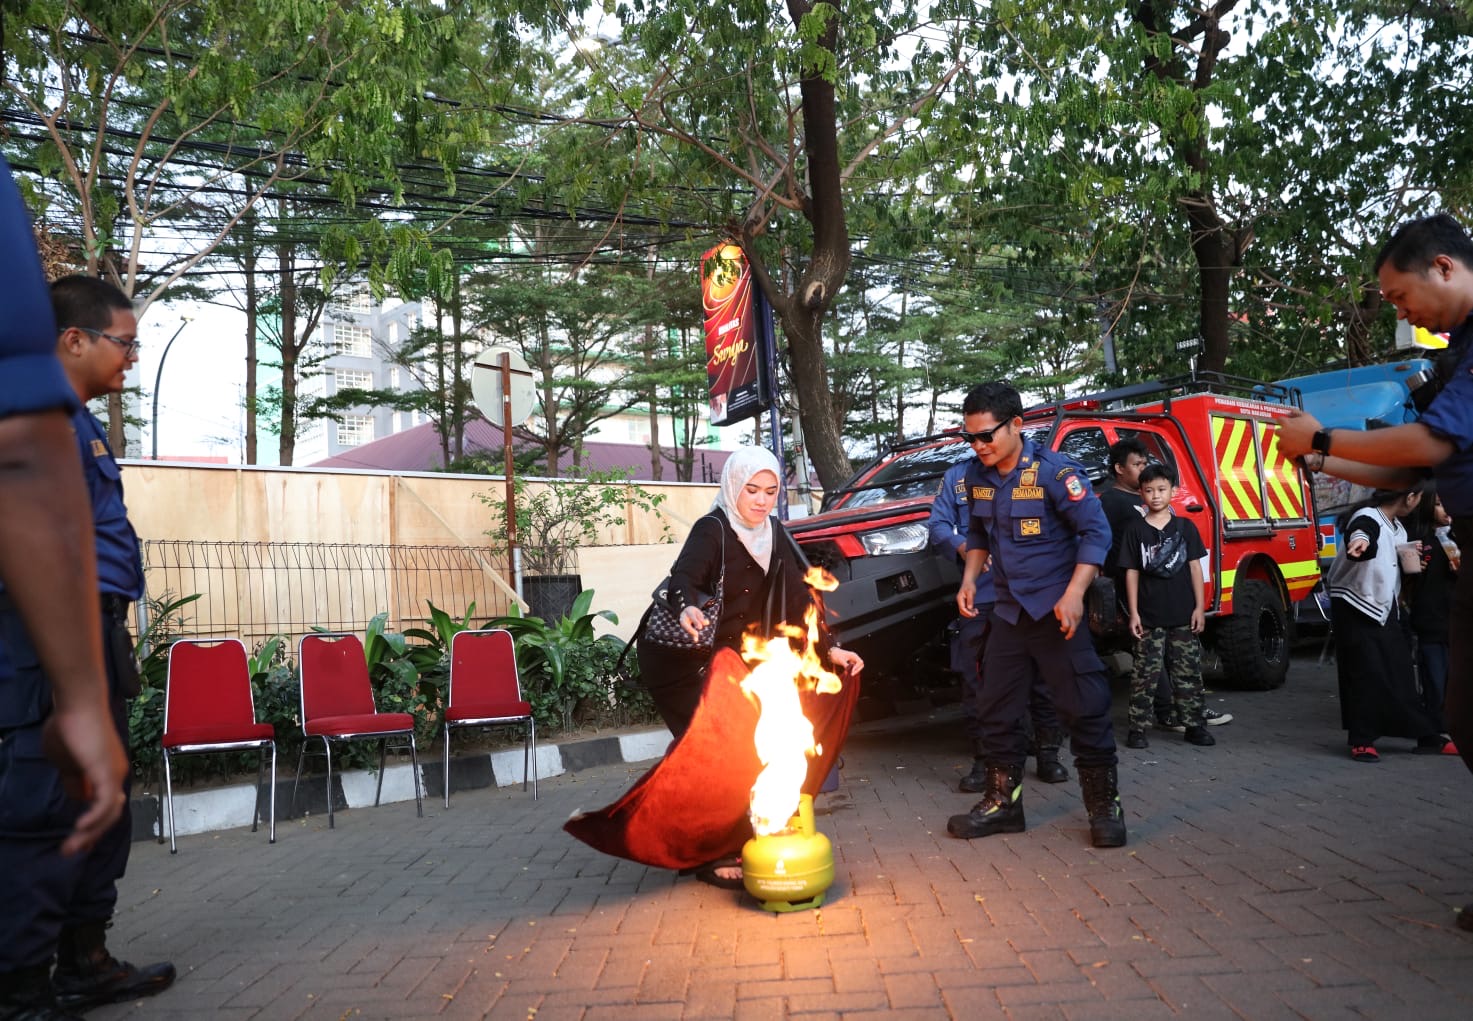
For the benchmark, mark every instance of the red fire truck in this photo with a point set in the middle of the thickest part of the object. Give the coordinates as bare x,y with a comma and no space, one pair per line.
1252,506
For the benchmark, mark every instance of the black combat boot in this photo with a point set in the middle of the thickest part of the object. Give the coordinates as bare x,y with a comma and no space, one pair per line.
1102,802
975,782
1046,754
88,976
26,995
999,811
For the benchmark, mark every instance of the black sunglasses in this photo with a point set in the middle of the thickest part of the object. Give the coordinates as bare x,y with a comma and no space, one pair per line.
986,435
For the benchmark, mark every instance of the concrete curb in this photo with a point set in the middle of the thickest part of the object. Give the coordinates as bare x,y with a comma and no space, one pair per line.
225,808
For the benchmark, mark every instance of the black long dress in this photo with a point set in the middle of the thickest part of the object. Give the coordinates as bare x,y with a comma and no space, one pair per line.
1378,691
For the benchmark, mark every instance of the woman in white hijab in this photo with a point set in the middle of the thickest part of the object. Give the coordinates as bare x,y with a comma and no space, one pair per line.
740,548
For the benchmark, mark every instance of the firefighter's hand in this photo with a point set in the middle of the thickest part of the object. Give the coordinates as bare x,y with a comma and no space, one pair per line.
83,745
1070,611
1296,430
964,597
693,620
1199,622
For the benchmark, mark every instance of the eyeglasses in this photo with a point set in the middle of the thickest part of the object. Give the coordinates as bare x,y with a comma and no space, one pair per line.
986,435
130,347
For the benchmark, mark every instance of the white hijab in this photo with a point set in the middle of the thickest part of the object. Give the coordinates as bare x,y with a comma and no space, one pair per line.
739,469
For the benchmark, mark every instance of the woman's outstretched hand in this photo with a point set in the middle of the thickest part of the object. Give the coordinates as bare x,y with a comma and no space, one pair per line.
847,662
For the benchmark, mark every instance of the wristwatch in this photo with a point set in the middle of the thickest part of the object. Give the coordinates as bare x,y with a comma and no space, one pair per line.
1320,442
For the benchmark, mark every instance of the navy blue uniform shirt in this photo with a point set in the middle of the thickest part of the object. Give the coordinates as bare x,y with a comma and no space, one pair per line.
1451,416
31,378
119,568
950,519
1037,523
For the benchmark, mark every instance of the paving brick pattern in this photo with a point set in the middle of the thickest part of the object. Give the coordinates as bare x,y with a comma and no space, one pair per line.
1269,877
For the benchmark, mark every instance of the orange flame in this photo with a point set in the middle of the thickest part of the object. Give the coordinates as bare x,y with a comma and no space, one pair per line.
817,577
784,736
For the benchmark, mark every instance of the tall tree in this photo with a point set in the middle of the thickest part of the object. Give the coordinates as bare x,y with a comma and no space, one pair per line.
786,111
132,115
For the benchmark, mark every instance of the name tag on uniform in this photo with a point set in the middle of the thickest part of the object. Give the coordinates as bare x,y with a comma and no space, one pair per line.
982,492
99,449
1027,492
1030,526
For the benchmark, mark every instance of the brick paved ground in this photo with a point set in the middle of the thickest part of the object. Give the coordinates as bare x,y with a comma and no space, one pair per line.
1269,877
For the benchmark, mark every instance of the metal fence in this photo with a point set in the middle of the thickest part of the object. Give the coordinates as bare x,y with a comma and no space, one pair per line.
253,590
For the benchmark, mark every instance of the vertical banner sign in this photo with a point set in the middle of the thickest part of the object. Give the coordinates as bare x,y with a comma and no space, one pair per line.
736,363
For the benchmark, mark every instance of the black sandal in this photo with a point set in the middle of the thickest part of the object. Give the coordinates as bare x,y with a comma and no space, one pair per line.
707,874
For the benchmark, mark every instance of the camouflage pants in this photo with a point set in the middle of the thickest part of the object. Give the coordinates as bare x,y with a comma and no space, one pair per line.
1177,651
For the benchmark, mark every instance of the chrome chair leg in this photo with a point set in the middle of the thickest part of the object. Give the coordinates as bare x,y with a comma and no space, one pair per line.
447,765
419,805
169,798
327,751
301,758
273,792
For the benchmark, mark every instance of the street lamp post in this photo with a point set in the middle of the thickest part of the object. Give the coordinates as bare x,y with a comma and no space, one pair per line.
158,378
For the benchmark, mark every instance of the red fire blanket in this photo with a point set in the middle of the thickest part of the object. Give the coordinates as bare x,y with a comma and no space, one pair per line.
691,808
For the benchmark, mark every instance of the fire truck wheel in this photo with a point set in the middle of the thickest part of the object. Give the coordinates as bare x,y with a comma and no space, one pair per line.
1253,641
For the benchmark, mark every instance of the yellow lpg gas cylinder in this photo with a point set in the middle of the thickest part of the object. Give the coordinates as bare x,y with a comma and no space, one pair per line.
790,870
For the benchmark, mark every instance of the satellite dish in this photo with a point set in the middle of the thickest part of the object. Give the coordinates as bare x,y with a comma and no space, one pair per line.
486,385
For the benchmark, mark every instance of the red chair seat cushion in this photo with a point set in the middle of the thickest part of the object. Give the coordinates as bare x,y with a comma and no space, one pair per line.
361,723
218,734
487,711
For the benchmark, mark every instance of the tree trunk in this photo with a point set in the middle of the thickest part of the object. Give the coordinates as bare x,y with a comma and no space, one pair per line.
457,385
248,265
802,312
1360,317
1216,252
286,266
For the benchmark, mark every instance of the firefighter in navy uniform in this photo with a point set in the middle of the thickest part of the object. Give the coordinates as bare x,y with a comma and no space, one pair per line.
66,903
948,526
1036,521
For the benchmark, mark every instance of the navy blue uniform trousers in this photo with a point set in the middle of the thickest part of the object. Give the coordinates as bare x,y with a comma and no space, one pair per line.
40,890
1074,675
968,645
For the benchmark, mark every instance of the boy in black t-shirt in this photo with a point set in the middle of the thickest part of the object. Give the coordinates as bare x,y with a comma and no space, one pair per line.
1161,561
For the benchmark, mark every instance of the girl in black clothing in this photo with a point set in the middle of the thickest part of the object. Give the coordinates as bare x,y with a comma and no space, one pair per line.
1378,694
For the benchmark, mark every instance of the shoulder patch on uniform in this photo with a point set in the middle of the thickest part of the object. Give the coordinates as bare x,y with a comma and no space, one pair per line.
1062,473
1075,488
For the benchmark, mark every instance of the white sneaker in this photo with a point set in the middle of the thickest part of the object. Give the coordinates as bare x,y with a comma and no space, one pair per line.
1213,718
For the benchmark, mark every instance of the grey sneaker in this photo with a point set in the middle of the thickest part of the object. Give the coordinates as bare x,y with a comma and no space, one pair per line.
1213,718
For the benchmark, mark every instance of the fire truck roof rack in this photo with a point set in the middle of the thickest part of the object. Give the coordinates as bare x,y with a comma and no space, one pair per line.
1125,397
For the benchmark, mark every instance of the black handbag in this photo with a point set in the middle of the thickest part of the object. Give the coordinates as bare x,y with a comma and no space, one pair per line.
660,624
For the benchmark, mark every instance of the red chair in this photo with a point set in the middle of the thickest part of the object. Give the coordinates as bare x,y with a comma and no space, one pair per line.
337,705
208,708
485,691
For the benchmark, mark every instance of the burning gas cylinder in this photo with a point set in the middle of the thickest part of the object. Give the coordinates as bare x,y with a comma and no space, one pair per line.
790,870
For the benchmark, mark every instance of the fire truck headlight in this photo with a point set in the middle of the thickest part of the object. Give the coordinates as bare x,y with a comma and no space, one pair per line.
898,539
